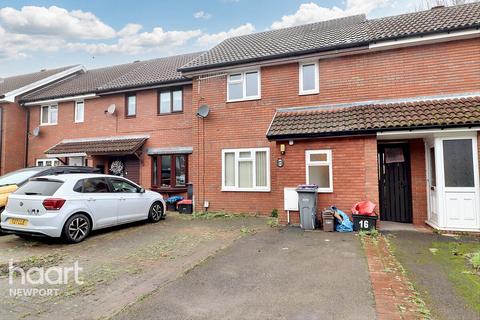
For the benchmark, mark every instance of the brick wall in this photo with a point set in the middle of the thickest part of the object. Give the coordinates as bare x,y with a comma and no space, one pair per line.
445,68
419,182
354,171
171,130
13,134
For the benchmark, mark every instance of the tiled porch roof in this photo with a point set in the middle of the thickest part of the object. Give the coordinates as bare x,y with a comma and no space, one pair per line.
371,118
98,146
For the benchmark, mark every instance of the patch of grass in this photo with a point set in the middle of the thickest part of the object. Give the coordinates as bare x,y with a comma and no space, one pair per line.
272,222
274,213
47,261
461,262
207,215
247,230
372,233
474,259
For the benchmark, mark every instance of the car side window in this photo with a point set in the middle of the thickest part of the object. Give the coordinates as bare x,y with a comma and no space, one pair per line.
95,185
78,187
120,185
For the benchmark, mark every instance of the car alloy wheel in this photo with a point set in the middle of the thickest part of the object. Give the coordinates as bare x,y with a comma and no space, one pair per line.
156,212
78,228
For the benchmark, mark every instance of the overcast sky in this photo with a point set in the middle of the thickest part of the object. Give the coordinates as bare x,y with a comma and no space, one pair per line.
46,34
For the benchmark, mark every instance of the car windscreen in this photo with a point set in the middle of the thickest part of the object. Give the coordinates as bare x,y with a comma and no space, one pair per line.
40,187
17,177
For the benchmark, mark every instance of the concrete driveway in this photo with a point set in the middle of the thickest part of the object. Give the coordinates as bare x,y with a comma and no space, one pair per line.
273,274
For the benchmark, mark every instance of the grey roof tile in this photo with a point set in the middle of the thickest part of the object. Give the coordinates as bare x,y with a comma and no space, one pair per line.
375,117
9,84
130,75
339,33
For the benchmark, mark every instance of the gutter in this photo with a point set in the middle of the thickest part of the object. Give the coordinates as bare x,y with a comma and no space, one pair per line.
299,136
144,87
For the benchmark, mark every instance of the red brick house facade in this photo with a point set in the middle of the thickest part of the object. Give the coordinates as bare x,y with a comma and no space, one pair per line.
13,116
366,109
434,79
157,128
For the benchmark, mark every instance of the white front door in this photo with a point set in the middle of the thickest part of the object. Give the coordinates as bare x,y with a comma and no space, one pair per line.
459,171
432,183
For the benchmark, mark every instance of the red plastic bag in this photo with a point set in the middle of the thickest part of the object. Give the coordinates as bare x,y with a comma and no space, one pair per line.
366,208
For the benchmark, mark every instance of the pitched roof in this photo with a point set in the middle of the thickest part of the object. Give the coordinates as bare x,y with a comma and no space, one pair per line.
347,32
98,146
372,118
130,75
161,70
16,82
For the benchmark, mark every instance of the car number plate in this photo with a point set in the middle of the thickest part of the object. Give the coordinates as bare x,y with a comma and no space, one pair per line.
18,222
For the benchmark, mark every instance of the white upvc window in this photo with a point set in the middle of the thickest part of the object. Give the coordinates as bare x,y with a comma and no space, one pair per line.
49,115
309,78
79,111
319,169
246,169
47,162
243,85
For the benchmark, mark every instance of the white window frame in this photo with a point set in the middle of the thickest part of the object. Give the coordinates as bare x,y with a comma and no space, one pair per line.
328,163
55,162
50,107
254,169
76,111
244,85
300,77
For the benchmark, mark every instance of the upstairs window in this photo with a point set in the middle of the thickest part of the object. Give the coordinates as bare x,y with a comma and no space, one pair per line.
309,82
49,115
131,109
243,86
79,111
246,169
170,101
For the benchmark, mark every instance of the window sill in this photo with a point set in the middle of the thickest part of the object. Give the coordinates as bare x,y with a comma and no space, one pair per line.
78,121
130,116
246,99
308,93
169,113
48,124
325,191
169,189
244,190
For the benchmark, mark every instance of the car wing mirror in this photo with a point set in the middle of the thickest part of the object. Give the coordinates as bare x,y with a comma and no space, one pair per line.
142,190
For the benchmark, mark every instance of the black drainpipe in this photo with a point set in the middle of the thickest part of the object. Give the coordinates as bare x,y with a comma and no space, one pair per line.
27,119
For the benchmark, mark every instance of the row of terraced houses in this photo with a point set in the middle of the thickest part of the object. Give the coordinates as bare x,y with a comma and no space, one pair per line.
386,110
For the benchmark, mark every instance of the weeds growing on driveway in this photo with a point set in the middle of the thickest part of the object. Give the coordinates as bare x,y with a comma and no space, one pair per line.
120,265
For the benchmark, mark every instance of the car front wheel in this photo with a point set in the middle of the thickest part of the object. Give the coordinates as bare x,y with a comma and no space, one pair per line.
77,228
156,212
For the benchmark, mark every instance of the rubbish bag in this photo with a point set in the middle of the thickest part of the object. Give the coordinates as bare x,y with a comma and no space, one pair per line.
343,225
364,208
174,199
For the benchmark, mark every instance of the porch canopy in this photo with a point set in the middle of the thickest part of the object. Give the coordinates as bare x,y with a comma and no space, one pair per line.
117,145
372,118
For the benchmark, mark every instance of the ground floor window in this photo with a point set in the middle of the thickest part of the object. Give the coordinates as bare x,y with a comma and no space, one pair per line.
76,161
246,169
169,171
319,169
47,162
